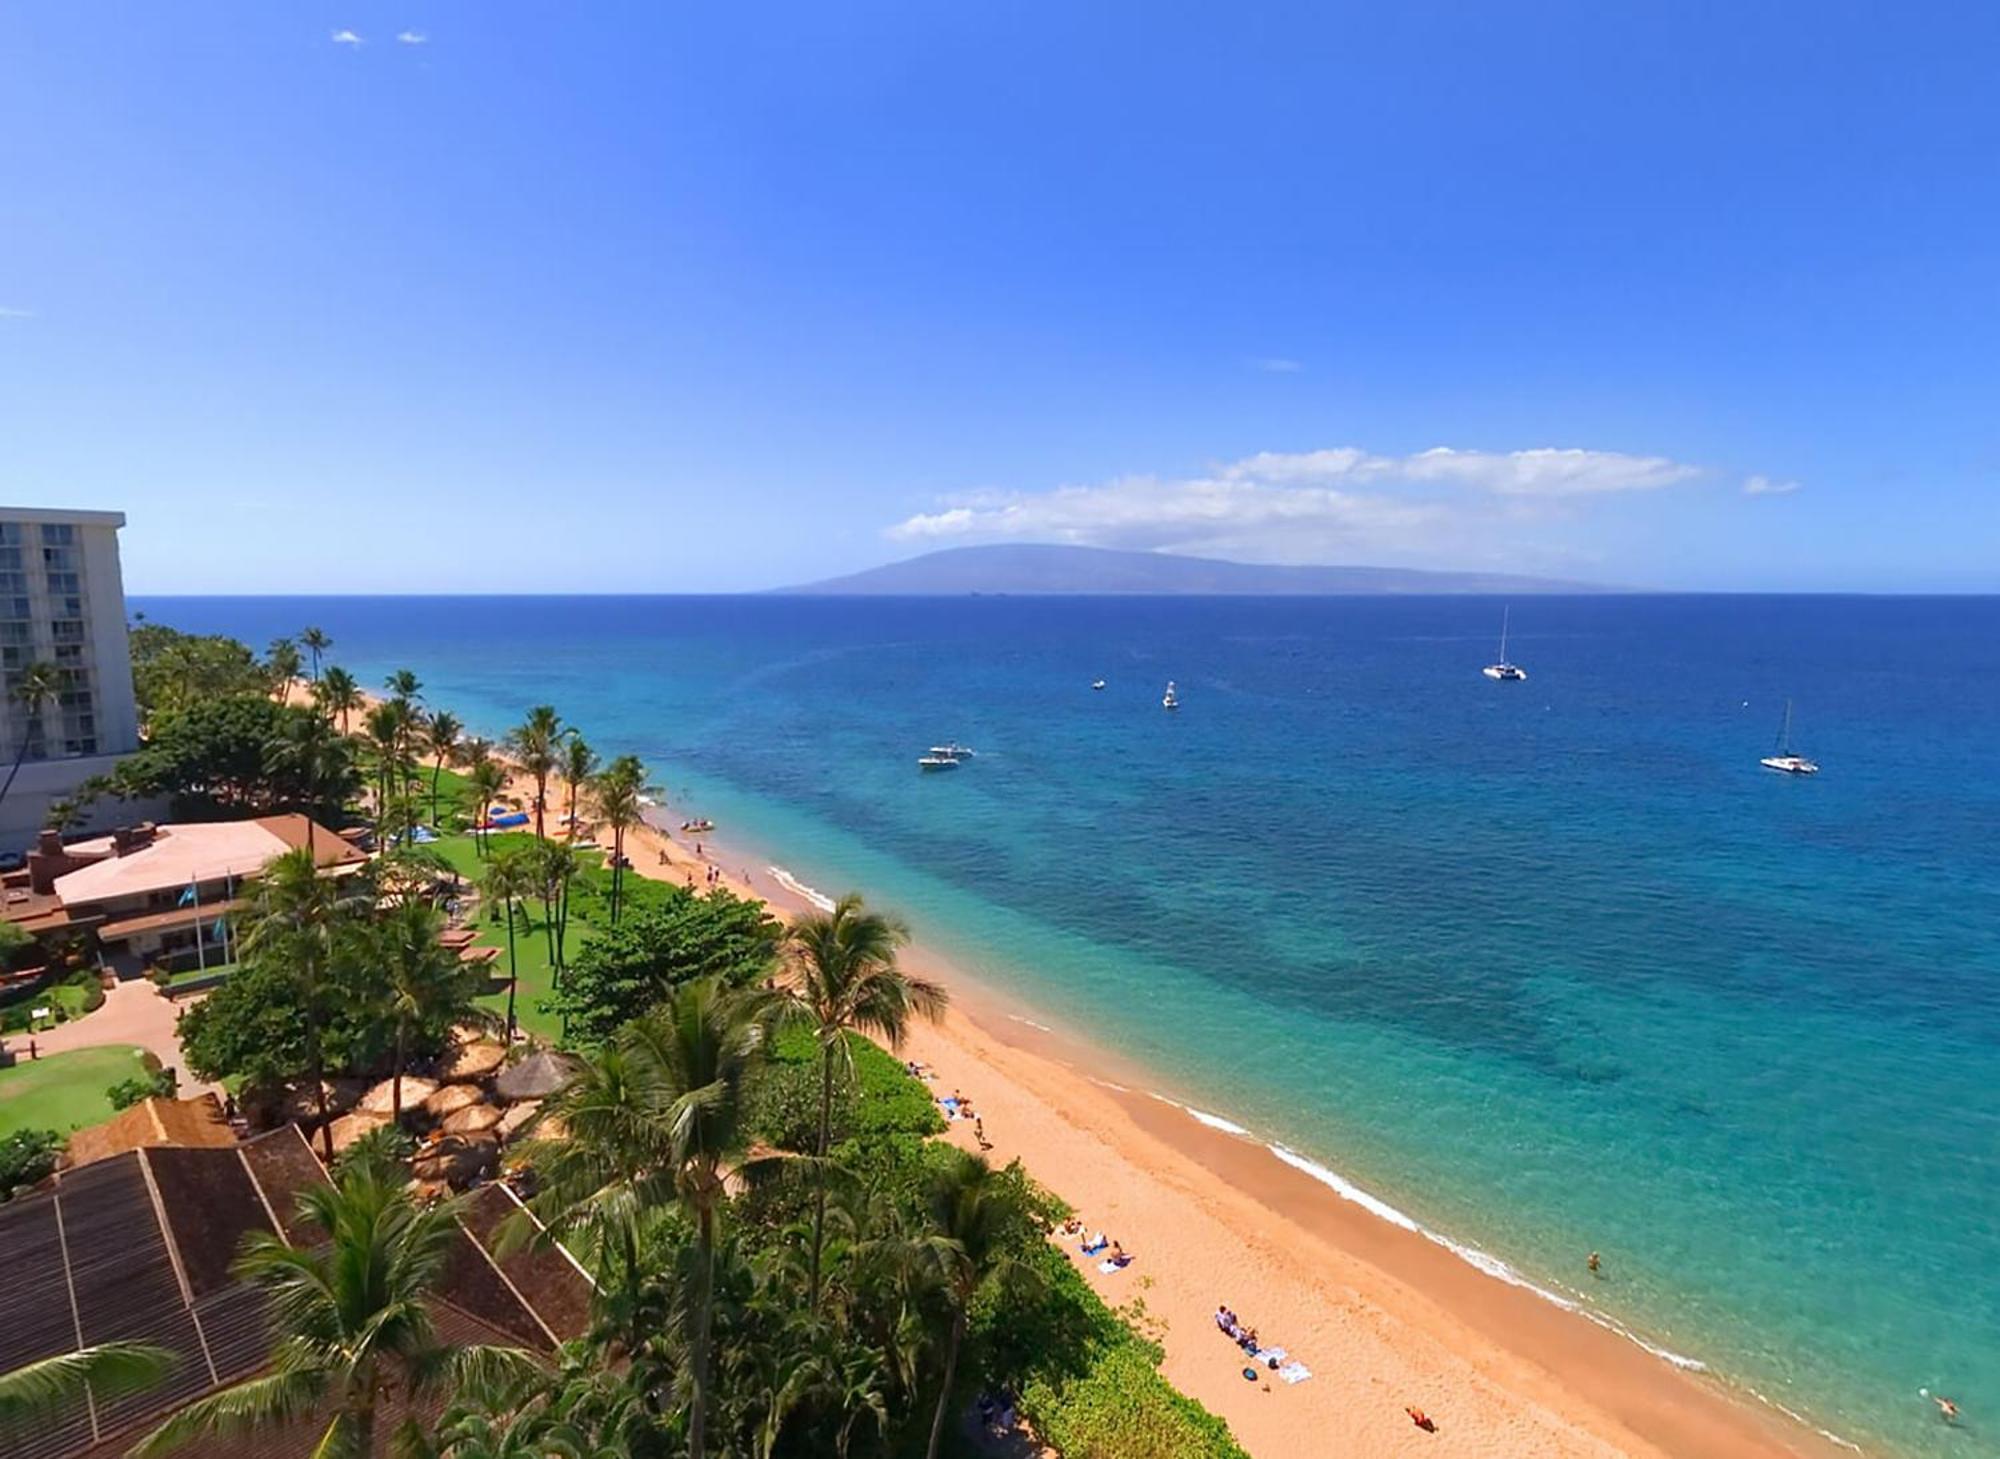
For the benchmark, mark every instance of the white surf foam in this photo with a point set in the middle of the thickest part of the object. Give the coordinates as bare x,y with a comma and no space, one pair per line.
1106,1083
799,889
1015,1017
1214,1122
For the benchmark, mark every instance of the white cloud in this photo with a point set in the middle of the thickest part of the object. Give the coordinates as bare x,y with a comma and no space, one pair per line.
346,38
1276,365
413,38
1764,486
1311,505
7,313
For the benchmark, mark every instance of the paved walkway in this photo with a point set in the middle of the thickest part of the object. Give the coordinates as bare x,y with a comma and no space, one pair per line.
134,1012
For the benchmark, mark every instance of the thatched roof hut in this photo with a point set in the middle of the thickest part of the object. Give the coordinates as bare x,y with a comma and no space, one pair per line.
536,1077
469,1063
472,1120
381,1099
451,1099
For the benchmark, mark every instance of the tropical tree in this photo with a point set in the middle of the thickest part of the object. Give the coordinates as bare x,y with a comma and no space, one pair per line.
37,1392
535,742
386,727
510,880
579,764
657,1117
555,865
405,687
315,642
427,987
979,1216
338,695
353,1322
845,977
442,734
615,796
32,692
486,779
297,921
281,662
316,763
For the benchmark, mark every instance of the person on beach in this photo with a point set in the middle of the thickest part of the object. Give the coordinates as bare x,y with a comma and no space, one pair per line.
1421,1419
979,1133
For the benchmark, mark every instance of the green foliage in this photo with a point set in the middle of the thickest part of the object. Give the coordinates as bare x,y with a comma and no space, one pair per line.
877,1099
172,670
157,1084
220,758
1119,1407
252,1028
14,944
383,1153
27,1156
625,971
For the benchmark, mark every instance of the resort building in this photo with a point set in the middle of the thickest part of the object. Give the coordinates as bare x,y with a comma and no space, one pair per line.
139,1244
160,895
62,604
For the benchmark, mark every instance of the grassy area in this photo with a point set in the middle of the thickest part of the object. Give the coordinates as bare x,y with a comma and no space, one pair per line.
200,974
66,996
64,1092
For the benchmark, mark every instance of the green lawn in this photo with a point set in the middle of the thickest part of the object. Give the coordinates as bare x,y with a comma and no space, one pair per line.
589,908
215,969
64,1092
67,996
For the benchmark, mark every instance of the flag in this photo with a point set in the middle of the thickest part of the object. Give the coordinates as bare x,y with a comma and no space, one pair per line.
188,895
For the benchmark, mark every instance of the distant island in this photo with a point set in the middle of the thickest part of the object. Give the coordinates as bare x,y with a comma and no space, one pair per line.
1046,568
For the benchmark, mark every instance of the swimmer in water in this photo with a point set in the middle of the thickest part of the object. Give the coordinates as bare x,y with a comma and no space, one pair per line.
1594,1264
1947,1410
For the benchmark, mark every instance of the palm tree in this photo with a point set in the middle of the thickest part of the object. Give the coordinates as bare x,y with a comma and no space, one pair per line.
354,1324
442,734
486,779
338,694
404,687
315,642
281,662
386,727
425,982
845,978
297,919
38,684
659,1116
579,763
615,795
534,742
315,761
37,1392
555,865
979,1217
509,880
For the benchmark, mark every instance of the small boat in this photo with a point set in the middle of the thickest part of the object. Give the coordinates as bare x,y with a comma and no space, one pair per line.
953,751
1786,760
1171,699
1097,683
928,763
1503,669
701,825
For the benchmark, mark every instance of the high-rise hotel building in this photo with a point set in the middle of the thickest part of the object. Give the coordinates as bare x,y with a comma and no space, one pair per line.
62,605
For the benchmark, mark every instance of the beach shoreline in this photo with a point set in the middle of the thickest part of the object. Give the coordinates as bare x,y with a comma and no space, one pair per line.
1384,1314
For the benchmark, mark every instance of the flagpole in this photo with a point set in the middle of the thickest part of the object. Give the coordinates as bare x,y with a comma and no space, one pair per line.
200,955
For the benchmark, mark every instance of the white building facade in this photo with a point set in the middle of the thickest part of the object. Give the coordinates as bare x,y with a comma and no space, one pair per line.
62,603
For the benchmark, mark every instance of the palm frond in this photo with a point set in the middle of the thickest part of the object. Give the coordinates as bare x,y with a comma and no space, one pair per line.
42,1388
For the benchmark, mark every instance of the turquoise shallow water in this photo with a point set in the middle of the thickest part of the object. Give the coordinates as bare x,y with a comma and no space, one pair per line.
1549,967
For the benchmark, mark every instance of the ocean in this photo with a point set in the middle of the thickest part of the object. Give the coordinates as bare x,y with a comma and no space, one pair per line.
1543,967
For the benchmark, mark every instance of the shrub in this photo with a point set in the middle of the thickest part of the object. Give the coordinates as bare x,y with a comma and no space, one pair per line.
27,1156
1121,1408
157,1083
93,994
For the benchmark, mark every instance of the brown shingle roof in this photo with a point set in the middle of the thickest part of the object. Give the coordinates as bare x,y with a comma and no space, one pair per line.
197,1122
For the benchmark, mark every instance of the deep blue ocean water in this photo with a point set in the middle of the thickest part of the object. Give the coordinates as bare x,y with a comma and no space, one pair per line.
1550,967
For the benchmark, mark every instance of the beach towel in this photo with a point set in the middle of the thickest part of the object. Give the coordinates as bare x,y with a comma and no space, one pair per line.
1295,1372
1096,1244
1114,1265
1264,1355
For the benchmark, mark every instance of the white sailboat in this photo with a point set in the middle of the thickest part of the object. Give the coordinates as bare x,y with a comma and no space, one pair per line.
1504,669
1786,759
1170,699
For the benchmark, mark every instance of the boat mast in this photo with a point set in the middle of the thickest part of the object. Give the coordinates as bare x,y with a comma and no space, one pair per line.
1504,612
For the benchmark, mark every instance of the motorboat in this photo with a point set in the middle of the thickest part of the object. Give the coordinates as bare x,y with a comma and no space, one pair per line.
1171,699
1504,669
938,762
1097,684
1785,759
953,751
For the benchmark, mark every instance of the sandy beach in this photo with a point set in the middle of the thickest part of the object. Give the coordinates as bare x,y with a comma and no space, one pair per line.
1383,1317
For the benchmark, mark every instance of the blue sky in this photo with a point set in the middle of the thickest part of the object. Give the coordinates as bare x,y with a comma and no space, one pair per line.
666,297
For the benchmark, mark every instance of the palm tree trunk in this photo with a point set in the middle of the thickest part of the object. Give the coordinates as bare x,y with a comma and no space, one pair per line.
513,971
19,755
704,1313
396,1079
437,770
541,795
819,1172
950,1377
318,1074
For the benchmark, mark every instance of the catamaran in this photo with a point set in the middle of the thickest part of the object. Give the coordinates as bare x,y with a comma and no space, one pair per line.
1503,669
1170,699
1786,759
1097,683
944,757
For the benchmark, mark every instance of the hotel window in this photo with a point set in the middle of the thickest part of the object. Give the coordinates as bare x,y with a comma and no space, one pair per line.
70,656
18,633
59,559
13,582
10,534
58,534
15,608
66,630
76,699
79,748
64,582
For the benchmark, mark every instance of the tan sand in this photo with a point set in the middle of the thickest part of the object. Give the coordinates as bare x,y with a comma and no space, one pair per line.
1383,1317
